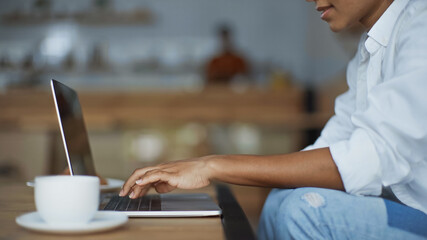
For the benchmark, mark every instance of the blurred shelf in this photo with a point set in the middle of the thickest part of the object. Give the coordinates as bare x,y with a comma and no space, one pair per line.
30,109
138,16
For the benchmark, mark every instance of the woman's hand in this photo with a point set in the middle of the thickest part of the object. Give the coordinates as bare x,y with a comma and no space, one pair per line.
185,174
314,168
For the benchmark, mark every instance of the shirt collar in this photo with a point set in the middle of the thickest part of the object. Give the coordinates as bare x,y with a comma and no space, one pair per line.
383,28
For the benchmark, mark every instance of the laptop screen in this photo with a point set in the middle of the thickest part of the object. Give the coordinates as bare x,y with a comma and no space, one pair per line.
73,130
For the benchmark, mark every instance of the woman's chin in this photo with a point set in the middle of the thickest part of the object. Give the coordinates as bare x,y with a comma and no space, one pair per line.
337,27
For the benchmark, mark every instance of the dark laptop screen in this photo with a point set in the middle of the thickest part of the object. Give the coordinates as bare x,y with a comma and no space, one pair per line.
73,130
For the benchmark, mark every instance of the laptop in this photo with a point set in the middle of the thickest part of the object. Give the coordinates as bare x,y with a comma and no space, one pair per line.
80,162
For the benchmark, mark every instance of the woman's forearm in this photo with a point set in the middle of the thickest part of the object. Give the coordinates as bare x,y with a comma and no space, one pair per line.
314,168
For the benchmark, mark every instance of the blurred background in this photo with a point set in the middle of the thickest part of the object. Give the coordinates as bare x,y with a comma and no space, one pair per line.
163,80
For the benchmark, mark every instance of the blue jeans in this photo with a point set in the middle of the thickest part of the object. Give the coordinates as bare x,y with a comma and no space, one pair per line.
316,213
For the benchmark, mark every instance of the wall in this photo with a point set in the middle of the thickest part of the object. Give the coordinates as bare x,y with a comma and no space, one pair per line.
273,34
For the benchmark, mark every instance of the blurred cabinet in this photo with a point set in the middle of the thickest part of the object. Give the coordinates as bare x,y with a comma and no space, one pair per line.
133,128
28,109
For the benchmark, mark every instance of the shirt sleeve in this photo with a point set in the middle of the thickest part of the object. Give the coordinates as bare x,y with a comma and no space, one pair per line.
339,126
390,136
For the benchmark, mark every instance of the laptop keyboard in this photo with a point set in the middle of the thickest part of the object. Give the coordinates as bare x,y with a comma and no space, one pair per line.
145,203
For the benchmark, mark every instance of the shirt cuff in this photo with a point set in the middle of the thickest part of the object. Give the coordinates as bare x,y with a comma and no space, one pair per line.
358,163
320,143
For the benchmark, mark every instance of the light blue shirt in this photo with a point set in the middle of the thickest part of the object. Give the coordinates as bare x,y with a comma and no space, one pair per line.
378,135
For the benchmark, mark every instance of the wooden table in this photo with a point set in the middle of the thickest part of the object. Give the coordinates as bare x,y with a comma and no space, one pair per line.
17,199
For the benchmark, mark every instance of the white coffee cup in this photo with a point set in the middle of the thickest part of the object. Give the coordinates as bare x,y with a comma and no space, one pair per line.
67,200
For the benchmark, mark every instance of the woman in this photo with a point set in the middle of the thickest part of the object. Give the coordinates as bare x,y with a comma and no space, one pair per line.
366,175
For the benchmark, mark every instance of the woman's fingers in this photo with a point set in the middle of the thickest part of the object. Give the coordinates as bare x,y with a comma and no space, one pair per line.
135,192
144,191
130,183
152,177
138,191
142,179
188,174
163,187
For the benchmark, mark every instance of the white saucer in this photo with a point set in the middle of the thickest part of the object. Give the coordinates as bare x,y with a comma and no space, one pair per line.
112,184
104,220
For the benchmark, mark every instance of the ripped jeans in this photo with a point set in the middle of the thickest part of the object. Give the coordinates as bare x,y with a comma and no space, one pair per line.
316,213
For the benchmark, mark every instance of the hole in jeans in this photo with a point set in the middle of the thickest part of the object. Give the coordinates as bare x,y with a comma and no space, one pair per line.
315,200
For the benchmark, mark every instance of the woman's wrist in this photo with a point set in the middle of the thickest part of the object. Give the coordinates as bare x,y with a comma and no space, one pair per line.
212,168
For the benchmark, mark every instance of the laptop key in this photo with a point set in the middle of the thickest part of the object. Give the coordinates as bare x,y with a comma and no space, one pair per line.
112,204
134,204
123,204
144,204
156,204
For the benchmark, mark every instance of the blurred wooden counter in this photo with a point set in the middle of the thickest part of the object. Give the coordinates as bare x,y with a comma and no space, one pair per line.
31,109
17,199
